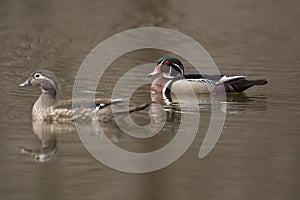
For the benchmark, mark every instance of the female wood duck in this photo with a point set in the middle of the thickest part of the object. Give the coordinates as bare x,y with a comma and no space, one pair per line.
174,79
46,108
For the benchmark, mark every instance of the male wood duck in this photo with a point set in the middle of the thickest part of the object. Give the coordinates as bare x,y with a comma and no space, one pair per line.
46,108
173,78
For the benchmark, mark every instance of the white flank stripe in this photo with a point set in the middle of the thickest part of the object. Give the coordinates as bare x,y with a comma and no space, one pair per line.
229,78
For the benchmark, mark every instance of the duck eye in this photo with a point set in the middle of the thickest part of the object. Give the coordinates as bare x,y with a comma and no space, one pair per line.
166,62
37,76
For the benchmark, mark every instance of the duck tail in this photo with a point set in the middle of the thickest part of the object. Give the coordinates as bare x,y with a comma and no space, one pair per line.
138,107
241,85
124,111
260,82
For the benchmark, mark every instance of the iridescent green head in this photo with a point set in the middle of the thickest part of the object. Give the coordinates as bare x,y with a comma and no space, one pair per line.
170,67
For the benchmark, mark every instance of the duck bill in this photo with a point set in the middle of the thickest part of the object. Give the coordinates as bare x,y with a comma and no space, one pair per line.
156,71
26,83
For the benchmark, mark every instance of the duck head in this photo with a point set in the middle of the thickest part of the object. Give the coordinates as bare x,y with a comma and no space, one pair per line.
170,67
45,80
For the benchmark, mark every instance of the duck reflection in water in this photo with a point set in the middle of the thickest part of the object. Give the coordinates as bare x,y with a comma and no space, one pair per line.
50,135
47,134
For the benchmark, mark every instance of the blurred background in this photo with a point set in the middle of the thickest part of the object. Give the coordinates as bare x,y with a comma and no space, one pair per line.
257,156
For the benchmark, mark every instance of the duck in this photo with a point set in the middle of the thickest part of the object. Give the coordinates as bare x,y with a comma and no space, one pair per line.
47,108
173,79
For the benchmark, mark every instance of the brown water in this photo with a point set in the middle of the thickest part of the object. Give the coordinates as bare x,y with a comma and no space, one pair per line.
258,154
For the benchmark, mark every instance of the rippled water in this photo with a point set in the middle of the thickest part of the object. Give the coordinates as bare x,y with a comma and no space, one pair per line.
257,155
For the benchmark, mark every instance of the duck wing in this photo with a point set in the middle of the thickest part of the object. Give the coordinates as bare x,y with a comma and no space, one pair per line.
97,103
232,83
242,84
203,76
239,83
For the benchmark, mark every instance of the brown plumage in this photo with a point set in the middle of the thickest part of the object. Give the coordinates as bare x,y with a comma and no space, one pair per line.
48,109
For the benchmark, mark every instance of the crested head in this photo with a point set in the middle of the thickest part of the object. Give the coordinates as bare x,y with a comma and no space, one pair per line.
49,85
170,67
45,80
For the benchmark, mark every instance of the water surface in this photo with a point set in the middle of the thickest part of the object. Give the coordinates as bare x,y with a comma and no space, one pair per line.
257,155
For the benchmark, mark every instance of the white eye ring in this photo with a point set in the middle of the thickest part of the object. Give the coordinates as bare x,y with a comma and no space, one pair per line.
38,76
